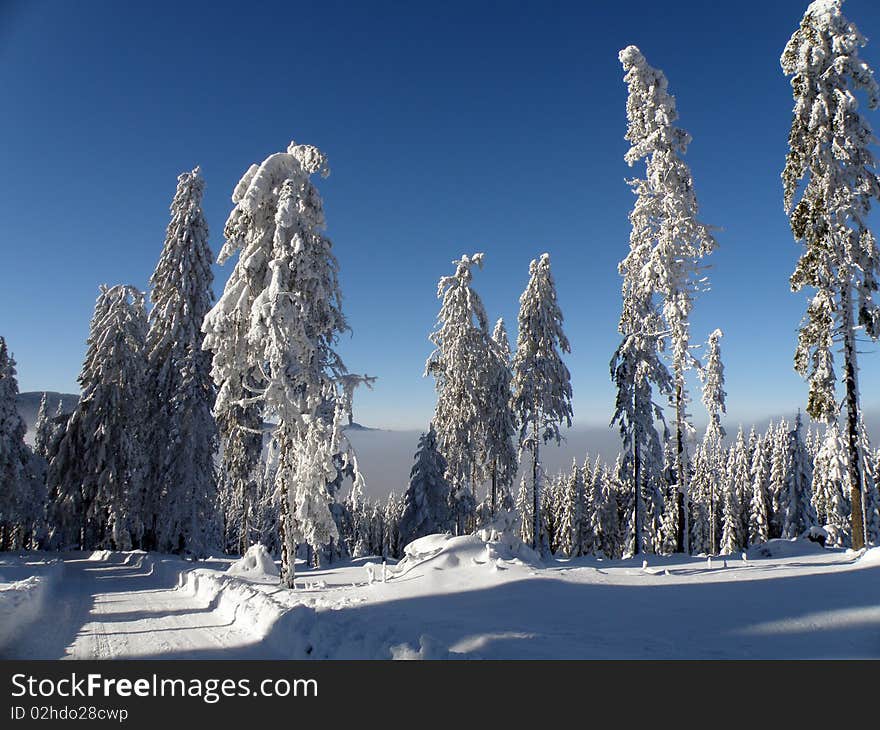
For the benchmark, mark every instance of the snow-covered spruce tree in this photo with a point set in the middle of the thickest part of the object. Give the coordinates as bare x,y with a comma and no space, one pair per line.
273,332
829,183
829,499
759,511
97,474
501,453
460,365
181,502
777,437
541,381
524,507
426,501
798,514
712,375
667,205
569,532
20,495
42,428
592,493
636,367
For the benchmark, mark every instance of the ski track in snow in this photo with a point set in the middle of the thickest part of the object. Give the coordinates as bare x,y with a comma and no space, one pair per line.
121,608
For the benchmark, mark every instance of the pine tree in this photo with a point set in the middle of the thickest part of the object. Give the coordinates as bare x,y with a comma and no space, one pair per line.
524,506
570,513
460,365
273,332
426,501
636,367
501,426
21,499
798,515
181,502
714,395
829,184
759,520
541,381
732,538
592,493
829,494
779,467
667,207
98,471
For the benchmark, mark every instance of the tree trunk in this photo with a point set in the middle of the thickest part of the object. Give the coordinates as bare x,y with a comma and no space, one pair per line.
494,485
637,488
852,418
536,496
681,492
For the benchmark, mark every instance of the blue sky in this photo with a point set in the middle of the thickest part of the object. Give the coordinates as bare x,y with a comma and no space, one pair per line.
451,128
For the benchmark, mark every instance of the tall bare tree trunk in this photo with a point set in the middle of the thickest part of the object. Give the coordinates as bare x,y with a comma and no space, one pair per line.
852,419
681,492
637,488
536,496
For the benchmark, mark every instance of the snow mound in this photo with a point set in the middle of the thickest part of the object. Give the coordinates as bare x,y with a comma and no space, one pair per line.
23,602
489,547
871,557
256,562
781,548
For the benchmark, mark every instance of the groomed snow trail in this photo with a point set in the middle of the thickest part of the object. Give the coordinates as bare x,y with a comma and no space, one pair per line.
122,607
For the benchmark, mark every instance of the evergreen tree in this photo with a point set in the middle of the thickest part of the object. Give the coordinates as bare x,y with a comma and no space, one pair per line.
570,513
541,381
181,502
795,499
273,333
636,367
460,365
759,520
426,501
676,238
829,494
524,506
501,426
98,471
829,184
20,492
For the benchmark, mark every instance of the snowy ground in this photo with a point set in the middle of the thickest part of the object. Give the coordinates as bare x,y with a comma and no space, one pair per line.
452,598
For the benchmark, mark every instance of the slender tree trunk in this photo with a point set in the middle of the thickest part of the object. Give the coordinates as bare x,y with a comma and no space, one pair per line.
494,485
852,416
712,478
637,489
536,496
681,492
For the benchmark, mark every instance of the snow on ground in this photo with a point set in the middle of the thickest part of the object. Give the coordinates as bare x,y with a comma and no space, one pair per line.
452,597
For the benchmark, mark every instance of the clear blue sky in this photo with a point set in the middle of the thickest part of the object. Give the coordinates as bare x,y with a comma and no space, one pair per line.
450,127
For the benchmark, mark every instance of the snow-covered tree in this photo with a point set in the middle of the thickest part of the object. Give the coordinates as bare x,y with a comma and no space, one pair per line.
541,381
636,367
524,507
273,333
97,473
798,514
460,365
181,500
501,423
759,510
674,239
570,516
829,183
830,500
21,498
426,501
